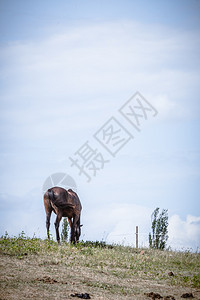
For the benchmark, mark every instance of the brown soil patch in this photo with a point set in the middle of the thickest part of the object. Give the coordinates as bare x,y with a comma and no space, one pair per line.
35,277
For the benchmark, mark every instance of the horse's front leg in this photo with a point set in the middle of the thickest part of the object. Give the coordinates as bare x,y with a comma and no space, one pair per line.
73,227
57,223
70,222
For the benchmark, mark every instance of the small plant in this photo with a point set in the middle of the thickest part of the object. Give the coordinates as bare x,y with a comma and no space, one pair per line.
20,246
65,230
159,237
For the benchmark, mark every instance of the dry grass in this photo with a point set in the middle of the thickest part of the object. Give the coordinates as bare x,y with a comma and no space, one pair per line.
37,269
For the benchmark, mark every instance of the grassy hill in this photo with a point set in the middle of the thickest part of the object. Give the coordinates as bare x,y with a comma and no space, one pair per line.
39,269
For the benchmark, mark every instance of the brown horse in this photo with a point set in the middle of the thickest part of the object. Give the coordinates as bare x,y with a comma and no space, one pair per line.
64,203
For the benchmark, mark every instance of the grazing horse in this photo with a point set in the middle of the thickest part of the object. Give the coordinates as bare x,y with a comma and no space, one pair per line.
64,203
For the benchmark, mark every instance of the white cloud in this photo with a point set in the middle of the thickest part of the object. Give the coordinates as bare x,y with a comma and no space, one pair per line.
70,82
100,59
184,234
116,223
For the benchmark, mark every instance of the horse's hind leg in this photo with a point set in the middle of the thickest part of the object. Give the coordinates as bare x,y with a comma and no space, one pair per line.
48,209
57,223
48,216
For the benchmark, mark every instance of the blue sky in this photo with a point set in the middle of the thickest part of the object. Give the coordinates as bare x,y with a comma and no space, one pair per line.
66,68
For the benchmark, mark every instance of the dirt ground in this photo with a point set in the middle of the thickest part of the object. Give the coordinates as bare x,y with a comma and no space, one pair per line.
34,278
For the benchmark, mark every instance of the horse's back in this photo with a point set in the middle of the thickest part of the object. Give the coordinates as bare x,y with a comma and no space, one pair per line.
63,199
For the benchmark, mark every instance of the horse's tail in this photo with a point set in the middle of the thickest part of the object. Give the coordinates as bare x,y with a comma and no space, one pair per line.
51,195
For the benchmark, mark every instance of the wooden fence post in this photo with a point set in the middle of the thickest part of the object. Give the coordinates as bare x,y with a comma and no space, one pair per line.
136,236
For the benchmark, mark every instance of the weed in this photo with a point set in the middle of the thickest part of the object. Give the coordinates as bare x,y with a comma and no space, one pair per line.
196,280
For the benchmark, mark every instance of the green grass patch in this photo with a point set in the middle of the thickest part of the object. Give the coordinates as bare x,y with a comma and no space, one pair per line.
113,260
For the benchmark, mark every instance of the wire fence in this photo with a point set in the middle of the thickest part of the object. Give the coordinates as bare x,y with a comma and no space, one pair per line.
137,238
